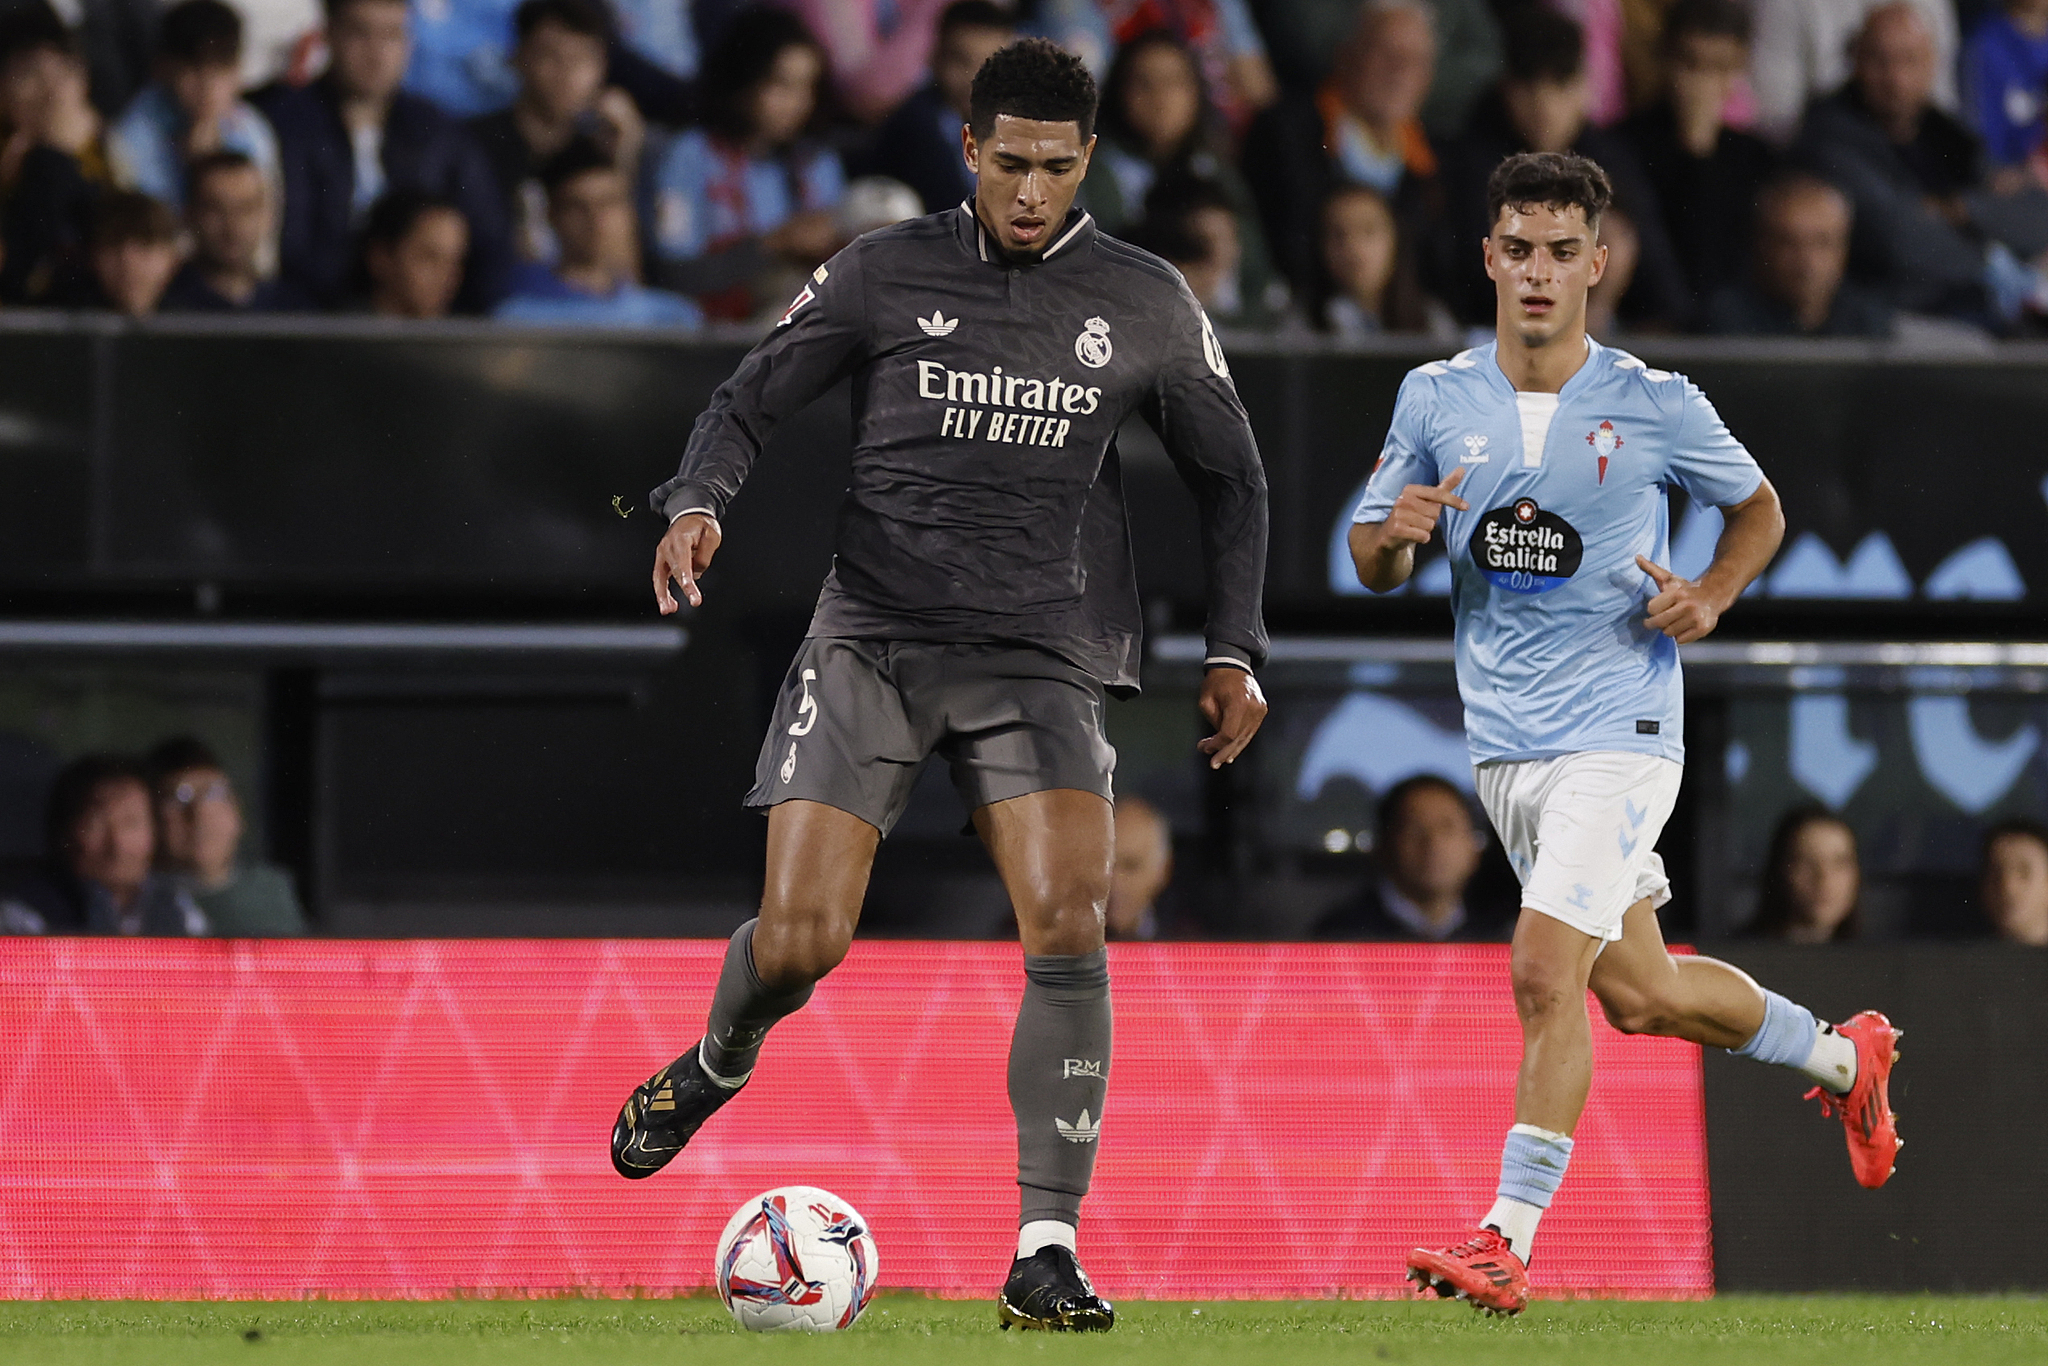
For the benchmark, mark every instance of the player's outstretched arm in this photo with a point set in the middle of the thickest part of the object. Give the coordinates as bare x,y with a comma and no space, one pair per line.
684,554
1686,610
1384,552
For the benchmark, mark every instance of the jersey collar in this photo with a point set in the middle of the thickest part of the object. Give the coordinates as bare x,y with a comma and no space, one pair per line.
1579,380
1075,231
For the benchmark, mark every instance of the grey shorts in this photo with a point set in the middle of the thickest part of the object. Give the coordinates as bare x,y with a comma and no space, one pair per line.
857,718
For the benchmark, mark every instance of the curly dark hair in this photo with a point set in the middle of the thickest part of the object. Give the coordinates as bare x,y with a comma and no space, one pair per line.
1555,180
1032,79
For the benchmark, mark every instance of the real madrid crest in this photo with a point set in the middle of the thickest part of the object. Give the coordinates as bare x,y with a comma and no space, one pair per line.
1092,347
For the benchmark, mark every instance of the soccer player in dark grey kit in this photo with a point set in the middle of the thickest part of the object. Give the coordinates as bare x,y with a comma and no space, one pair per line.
981,602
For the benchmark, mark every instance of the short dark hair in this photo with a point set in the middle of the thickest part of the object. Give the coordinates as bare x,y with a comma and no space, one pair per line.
200,33
28,28
1393,807
585,17
176,755
214,163
1032,79
397,212
77,787
974,14
2012,827
1542,45
1555,180
742,59
333,8
123,216
581,156
1706,19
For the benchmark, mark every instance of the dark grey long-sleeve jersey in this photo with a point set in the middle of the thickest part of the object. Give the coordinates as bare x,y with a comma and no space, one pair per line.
986,501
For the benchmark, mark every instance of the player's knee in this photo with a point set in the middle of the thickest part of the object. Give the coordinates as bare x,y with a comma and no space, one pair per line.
1638,1010
1542,986
796,945
1070,924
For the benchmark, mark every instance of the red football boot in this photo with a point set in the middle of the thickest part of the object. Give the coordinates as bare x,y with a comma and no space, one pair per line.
1485,1271
1867,1110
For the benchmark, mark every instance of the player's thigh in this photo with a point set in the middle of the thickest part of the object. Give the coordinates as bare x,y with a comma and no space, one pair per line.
842,734
1053,850
1597,818
1634,976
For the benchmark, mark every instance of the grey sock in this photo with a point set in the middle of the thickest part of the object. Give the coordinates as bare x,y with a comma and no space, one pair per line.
742,1009
1059,1072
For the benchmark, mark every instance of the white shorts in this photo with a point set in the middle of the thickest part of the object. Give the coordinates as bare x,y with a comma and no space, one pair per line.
1581,831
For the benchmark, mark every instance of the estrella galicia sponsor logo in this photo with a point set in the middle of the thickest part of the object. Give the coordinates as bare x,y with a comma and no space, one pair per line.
1524,549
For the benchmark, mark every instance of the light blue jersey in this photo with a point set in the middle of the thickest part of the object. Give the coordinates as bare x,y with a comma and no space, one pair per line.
1566,490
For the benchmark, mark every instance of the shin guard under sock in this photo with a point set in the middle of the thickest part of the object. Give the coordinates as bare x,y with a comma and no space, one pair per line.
742,1009
1059,1073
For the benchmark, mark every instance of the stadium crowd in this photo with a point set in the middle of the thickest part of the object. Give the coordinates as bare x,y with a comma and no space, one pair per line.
1835,168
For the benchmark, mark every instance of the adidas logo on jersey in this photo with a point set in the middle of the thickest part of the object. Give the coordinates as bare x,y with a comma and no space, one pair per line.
1082,1130
938,324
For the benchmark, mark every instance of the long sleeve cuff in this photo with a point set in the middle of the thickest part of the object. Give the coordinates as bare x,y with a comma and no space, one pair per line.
689,498
1221,655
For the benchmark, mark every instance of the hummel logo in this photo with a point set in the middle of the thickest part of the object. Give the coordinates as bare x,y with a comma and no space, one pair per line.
1082,1130
1081,1067
938,324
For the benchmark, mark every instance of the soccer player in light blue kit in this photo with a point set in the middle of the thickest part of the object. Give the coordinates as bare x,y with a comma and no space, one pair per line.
1546,459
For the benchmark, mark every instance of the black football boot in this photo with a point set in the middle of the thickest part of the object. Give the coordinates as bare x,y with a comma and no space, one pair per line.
662,1115
1049,1290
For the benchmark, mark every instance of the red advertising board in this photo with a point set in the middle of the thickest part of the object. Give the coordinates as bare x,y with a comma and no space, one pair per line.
287,1118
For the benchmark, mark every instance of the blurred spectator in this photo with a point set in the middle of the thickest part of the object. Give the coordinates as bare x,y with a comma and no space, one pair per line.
1362,127
460,56
1802,49
1540,106
744,204
878,50
2012,884
1370,286
1143,868
1307,36
1156,126
1600,21
1426,848
232,219
97,877
351,135
52,164
661,33
1192,225
134,255
193,107
1229,52
1915,178
919,144
199,840
595,281
1813,882
1705,173
1795,287
560,61
413,247
2005,85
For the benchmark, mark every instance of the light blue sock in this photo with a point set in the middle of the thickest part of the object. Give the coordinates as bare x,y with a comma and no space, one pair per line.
1786,1035
1532,1164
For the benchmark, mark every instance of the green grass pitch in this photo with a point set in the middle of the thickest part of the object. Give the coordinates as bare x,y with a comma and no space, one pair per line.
904,1330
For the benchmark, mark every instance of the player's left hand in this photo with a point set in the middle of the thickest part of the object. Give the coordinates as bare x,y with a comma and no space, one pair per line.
1234,704
1682,609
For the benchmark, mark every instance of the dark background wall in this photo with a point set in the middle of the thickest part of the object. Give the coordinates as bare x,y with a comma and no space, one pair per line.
1971,1091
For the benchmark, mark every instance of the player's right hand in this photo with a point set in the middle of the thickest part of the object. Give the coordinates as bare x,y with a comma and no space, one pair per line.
1414,516
684,554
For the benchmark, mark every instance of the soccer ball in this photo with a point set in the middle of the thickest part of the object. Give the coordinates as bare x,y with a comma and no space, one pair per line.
796,1258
